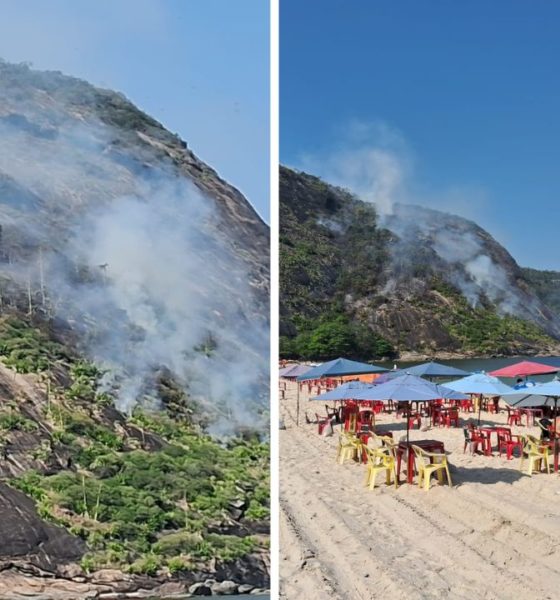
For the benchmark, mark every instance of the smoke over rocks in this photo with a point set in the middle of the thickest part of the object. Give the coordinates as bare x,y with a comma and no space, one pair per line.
375,164
104,233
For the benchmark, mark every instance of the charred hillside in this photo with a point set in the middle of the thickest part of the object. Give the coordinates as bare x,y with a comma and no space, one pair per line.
414,281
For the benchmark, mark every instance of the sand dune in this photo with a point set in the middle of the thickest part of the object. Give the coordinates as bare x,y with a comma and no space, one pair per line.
494,535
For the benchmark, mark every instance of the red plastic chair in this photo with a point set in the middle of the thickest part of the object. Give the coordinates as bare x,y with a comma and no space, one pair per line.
509,443
365,417
474,439
377,407
322,422
514,417
438,416
493,406
452,416
467,405
414,418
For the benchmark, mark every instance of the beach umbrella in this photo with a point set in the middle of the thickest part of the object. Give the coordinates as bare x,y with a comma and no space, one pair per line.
480,383
294,371
541,394
408,388
524,368
434,369
520,399
388,376
340,367
346,391
283,372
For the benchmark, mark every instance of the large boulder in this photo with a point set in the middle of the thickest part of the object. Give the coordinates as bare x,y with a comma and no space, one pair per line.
27,539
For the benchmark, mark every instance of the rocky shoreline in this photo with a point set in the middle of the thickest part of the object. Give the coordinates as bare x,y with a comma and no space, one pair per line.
418,357
70,582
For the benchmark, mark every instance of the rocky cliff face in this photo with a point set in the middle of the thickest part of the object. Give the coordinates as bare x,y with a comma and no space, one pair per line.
113,227
427,282
28,540
133,319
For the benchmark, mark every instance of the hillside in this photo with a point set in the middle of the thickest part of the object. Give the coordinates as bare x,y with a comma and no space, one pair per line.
416,282
546,285
134,353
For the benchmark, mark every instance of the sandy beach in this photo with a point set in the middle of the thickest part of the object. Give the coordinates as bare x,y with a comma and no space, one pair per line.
494,535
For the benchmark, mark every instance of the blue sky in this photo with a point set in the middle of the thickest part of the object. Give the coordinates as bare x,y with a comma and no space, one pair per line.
465,94
199,67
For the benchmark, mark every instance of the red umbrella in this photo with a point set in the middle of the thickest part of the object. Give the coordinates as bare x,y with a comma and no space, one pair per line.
523,369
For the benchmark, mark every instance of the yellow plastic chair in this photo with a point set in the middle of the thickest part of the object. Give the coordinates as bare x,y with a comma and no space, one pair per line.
352,422
349,448
380,459
536,455
428,463
381,440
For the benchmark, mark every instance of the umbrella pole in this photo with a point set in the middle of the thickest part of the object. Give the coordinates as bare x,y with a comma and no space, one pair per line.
408,425
479,407
297,406
555,434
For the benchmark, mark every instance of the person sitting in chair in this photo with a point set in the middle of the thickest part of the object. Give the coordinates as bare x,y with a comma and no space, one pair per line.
544,425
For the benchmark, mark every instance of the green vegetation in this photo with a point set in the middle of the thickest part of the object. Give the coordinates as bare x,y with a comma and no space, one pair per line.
546,285
145,492
14,421
351,288
334,336
325,256
154,509
27,349
481,329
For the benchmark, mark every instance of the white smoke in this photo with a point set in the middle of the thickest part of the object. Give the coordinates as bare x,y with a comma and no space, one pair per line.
136,258
375,163
376,172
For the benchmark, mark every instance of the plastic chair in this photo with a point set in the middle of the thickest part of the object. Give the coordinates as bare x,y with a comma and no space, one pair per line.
381,440
493,405
437,463
379,460
452,416
366,417
378,407
414,418
349,448
437,416
536,455
322,422
351,422
472,439
467,405
514,417
509,443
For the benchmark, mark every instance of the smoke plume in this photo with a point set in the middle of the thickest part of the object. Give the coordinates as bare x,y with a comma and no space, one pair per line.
376,164
114,240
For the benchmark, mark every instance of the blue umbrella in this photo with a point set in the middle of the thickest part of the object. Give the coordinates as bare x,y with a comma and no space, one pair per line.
540,394
339,368
480,383
294,370
346,391
384,377
434,369
408,388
